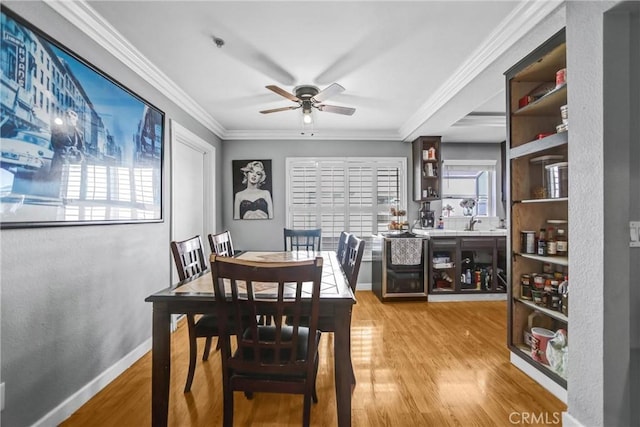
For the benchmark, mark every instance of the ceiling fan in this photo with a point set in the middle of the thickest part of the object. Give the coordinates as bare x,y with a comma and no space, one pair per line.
308,97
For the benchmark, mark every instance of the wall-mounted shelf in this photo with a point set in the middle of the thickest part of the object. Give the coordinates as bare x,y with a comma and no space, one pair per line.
547,311
538,145
558,260
547,105
427,169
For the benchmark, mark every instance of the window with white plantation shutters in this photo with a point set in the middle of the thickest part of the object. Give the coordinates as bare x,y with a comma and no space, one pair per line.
338,194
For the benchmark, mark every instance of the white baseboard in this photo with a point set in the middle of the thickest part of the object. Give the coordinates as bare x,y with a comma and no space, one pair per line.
363,287
569,421
76,400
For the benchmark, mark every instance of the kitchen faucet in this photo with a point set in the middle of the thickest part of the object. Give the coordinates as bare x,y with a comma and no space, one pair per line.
472,222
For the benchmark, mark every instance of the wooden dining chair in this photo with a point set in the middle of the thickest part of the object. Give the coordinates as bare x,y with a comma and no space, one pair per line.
352,260
190,261
342,246
302,240
221,243
276,358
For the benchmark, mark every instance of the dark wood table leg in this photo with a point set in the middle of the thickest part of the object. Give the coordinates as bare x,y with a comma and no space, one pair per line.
343,367
161,365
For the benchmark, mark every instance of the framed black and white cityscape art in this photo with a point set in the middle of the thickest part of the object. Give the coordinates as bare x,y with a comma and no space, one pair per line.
77,147
252,189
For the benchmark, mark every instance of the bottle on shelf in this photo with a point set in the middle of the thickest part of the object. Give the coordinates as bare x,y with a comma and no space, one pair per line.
563,290
542,243
562,248
552,247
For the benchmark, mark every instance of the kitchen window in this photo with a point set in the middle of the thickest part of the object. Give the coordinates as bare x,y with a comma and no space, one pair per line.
337,194
469,179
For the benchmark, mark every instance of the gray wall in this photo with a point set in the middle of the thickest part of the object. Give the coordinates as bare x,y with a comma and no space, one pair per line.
267,234
634,394
604,197
73,297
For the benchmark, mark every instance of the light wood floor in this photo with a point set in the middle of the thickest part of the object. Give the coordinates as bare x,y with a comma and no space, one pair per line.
416,364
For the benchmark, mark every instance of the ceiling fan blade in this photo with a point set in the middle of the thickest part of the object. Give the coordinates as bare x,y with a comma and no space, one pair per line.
347,111
328,92
275,110
283,92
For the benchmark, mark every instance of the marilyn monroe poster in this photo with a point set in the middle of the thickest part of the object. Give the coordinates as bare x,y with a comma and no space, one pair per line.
252,187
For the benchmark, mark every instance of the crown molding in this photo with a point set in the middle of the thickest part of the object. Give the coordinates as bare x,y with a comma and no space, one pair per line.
318,135
517,24
484,120
87,20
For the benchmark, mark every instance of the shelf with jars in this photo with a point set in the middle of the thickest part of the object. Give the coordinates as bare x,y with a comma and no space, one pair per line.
538,271
426,168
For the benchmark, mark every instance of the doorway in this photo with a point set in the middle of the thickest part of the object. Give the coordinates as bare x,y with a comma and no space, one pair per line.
192,187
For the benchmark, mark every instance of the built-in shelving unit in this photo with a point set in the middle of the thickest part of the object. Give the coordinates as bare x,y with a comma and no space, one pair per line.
532,135
463,265
427,168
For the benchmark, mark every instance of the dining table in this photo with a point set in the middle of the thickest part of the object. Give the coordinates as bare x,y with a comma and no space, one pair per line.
196,296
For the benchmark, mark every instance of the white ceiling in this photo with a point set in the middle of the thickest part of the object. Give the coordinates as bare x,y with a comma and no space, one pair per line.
404,65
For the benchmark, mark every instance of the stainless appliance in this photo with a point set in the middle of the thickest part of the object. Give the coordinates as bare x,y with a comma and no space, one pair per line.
427,216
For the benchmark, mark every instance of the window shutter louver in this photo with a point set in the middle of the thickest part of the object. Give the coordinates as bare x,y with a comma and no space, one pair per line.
344,194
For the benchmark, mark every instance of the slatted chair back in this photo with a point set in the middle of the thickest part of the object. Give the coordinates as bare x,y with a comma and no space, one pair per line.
342,246
189,257
302,240
277,358
221,243
352,260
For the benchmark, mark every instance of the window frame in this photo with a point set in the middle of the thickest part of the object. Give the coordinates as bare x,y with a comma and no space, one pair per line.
488,165
380,212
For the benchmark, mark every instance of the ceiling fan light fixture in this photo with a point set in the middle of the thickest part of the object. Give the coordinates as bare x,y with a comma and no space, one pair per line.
308,98
307,119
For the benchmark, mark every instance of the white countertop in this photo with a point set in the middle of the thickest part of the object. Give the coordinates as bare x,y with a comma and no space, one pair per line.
459,233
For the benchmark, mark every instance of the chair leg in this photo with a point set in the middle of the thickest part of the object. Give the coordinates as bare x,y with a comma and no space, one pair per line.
193,352
306,411
314,392
207,349
227,412
353,377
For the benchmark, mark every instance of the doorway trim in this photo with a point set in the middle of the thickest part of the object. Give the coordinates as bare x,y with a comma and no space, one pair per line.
182,135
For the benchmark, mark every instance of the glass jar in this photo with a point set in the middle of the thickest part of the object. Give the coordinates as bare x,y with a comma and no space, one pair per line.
562,244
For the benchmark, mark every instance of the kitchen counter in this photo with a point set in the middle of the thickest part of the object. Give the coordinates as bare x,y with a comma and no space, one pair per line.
459,233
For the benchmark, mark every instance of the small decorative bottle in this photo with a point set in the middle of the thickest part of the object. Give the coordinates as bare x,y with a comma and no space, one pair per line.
542,243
